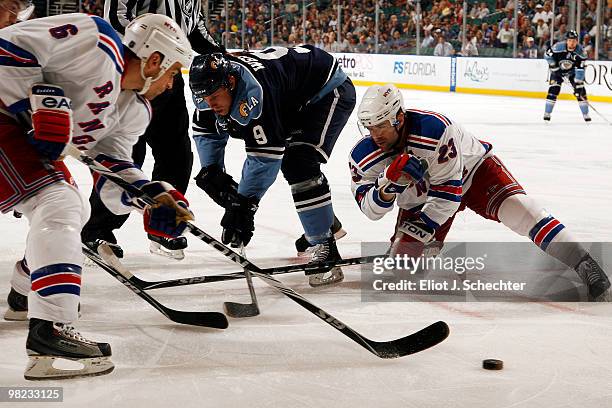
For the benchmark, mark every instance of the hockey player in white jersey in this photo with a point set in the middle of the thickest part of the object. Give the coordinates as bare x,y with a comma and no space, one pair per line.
70,79
431,167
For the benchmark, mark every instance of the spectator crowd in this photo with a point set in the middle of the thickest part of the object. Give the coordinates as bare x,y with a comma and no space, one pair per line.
490,26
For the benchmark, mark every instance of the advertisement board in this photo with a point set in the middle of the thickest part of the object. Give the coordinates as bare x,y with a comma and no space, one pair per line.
492,76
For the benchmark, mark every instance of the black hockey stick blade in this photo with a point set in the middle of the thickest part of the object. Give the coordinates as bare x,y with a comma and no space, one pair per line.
239,310
414,343
419,341
204,319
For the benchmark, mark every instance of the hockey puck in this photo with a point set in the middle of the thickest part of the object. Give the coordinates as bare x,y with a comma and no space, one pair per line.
492,364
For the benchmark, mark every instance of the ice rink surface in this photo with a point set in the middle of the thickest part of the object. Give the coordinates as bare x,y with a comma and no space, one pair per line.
555,354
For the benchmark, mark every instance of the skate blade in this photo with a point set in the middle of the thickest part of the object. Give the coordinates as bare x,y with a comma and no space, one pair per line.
332,277
41,368
157,249
15,315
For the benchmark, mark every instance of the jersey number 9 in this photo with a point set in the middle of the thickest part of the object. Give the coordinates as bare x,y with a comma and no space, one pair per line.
259,135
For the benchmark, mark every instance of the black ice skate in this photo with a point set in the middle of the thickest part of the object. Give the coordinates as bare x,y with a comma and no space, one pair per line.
48,341
93,245
17,306
302,246
586,117
325,252
547,116
595,279
171,248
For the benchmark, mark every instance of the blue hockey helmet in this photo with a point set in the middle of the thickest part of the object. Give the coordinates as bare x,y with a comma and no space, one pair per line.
571,34
210,72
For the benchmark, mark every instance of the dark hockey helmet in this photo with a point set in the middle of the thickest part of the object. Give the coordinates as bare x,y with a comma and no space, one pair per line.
571,34
208,73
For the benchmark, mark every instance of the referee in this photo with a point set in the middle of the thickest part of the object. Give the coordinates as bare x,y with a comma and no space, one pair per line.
167,134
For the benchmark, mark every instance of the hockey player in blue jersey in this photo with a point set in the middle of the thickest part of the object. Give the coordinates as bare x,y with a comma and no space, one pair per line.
289,105
566,60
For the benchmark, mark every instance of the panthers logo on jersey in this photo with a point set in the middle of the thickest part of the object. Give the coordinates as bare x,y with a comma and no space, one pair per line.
243,108
568,63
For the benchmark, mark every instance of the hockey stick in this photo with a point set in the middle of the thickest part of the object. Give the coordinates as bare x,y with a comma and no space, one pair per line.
413,343
567,81
237,310
597,112
206,319
421,340
195,231
278,270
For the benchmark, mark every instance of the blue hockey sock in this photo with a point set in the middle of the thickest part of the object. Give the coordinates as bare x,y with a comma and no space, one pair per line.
317,223
584,107
549,106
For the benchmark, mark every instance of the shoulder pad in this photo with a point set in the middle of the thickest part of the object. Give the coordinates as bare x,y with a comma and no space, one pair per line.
248,98
366,154
559,47
363,148
425,129
580,52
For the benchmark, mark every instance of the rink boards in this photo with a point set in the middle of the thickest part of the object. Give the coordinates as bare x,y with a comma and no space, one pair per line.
487,76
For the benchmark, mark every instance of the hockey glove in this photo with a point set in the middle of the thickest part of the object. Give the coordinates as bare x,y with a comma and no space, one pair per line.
219,185
51,120
402,172
239,221
417,230
167,218
412,236
553,67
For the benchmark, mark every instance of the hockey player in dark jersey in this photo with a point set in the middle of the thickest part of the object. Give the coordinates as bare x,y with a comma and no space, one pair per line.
289,105
566,60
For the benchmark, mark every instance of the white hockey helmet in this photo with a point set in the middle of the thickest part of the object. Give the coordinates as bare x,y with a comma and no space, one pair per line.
21,9
380,103
149,33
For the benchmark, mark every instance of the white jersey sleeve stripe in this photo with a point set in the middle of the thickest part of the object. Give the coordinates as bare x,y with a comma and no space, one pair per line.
110,43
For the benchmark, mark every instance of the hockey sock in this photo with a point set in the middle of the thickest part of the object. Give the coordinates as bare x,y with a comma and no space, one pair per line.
551,98
554,239
312,200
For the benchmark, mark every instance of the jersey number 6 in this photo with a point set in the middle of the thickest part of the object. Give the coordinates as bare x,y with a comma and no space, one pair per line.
63,31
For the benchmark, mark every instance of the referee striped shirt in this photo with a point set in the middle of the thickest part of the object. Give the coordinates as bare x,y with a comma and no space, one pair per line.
187,14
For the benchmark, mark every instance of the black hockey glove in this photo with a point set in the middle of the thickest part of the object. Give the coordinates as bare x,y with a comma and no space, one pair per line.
219,185
553,67
239,221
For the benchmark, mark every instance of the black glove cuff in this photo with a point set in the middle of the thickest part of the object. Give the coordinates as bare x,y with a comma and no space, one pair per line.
219,185
246,204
